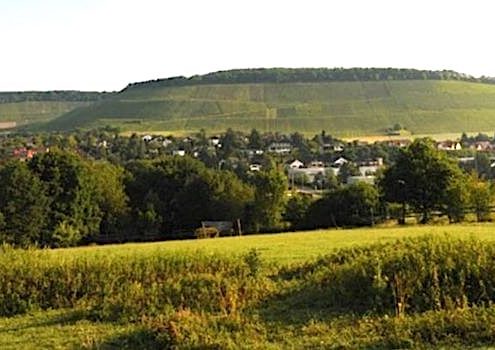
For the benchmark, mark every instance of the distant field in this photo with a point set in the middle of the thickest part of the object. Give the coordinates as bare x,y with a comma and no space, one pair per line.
290,247
345,109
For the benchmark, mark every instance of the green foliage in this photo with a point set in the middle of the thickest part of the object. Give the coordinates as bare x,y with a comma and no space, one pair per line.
409,276
180,192
127,286
426,292
421,177
290,75
265,212
480,197
72,193
59,95
296,209
23,203
351,205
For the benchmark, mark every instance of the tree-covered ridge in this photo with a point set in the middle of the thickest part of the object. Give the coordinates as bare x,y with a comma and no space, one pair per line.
307,75
58,96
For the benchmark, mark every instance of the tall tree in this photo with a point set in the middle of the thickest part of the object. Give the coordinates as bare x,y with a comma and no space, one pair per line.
420,177
23,205
269,200
73,212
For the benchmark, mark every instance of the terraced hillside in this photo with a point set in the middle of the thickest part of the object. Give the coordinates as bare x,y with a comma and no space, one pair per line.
343,108
25,108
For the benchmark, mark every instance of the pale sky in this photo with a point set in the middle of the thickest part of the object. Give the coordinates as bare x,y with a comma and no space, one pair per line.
105,44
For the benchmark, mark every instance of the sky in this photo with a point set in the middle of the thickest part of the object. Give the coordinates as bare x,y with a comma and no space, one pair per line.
102,45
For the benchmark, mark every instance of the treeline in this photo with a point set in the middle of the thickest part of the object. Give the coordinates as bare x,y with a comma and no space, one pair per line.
295,75
62,95
61,199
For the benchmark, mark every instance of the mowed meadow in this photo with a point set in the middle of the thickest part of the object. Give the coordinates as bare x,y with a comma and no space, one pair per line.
344,109
396,287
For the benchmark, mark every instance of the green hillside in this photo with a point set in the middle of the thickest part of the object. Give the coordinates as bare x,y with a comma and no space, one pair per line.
30,107
343,108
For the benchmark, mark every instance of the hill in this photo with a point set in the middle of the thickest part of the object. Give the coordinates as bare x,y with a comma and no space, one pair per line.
350,103
23,108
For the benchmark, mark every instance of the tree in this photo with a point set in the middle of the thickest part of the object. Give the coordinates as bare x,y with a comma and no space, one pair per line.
420,177
23,203
73,207
296,209
177,193
457,198
481,197
109,193
351,205
346,170
269,200
255,141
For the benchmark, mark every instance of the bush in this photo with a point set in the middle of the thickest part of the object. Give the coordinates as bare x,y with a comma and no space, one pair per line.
408,276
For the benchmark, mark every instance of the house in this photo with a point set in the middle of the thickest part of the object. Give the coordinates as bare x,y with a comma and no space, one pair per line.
179,152
316,164
339,162
369,179
336,147
449,146
214,141
482,146
253,152
280,147
24,153
254,167
365,170
370,167
296,164
147,138
308,173
400,143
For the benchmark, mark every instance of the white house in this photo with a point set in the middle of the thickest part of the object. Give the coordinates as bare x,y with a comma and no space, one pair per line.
370,179
280,147
296,164
214,141
254,167
179,152
316,164
340,161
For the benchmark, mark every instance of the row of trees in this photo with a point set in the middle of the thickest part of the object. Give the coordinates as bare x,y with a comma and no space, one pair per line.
60,199
289,75
60,95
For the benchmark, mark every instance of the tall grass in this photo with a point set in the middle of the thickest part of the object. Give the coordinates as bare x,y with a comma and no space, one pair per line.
434,290
408,276
127,286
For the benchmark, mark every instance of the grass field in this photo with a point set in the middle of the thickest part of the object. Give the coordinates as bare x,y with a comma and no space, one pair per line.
283,317
288,248
345,109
